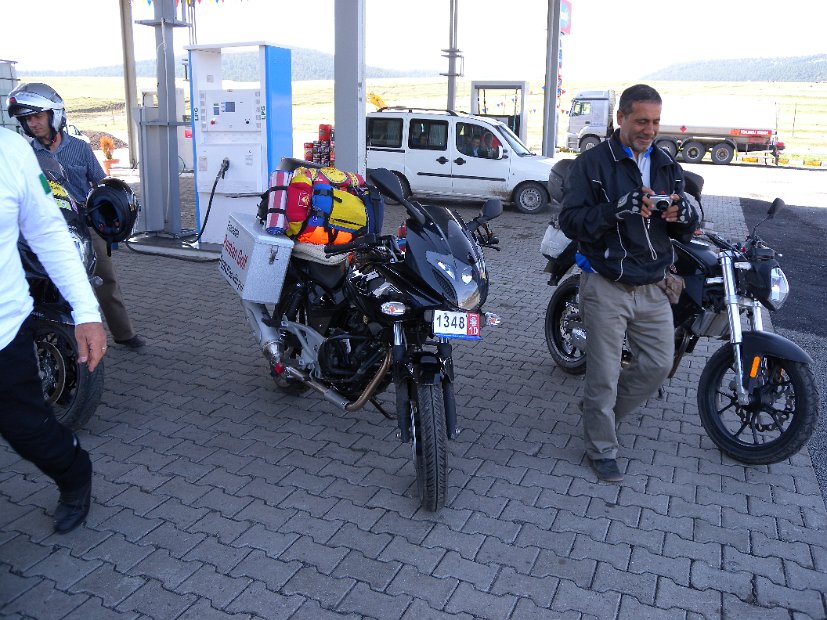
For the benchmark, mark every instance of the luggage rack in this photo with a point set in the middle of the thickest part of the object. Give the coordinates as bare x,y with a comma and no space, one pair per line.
405,108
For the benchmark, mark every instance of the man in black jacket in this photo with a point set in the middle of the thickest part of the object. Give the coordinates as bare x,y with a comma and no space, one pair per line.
624,249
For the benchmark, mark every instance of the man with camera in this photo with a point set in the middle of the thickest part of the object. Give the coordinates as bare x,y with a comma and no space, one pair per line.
623,200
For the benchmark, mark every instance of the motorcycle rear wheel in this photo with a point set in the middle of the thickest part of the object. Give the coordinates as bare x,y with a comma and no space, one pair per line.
430,443
73,392
562,316
779,420
291,351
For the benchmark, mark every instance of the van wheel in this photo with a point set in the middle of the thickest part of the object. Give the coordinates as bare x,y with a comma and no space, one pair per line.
530,197
693,152
588,143
406,188
722,153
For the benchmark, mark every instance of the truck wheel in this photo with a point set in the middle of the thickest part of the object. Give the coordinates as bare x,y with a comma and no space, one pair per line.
693,152
530,197
588,143
668,146
722,153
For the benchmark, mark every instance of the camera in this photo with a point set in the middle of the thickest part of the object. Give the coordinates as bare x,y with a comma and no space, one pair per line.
660,202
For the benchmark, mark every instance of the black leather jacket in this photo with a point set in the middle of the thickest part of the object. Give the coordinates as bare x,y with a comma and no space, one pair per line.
635,250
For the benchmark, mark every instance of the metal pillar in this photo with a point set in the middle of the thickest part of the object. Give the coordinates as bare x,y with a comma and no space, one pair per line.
130,83
550,94
452,54
160,169
349,85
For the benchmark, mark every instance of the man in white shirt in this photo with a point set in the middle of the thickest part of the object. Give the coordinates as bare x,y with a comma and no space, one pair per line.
26,421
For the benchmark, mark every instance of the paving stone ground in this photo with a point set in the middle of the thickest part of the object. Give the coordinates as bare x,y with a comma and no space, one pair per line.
215,496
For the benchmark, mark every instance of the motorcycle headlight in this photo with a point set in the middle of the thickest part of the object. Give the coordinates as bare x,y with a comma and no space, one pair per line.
779,288
459,281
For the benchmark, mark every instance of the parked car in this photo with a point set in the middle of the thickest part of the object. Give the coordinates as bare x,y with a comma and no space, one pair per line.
457,156
73,131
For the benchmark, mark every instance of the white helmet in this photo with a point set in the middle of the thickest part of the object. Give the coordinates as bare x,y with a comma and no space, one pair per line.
28,99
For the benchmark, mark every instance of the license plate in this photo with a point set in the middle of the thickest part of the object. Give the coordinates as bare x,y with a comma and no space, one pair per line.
450,324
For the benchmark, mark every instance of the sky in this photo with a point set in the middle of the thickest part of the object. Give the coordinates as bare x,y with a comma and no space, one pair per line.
609,40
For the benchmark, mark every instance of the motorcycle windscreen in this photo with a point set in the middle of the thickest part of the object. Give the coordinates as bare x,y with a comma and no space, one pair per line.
448,261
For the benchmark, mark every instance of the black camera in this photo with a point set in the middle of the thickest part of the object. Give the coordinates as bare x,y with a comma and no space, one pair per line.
660,202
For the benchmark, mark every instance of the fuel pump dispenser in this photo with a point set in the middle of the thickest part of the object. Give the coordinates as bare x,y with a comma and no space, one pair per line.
239,133
502,100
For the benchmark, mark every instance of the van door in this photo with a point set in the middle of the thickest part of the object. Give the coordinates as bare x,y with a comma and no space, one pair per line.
428,163
479,169
385,143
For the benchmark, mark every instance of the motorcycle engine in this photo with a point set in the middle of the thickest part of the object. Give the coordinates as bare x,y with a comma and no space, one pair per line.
350,357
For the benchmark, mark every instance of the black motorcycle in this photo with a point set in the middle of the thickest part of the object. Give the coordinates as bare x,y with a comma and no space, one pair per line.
757,397
73,392
382,309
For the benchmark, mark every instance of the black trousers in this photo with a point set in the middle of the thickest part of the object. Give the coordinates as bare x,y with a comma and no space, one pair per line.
27,421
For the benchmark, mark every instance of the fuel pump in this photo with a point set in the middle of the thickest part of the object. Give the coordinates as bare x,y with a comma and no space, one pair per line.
502,100
240,130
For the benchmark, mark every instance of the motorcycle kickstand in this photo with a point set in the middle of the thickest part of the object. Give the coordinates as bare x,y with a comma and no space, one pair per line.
381,409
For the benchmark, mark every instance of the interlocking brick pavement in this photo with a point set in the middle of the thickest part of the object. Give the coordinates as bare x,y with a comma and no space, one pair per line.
217,496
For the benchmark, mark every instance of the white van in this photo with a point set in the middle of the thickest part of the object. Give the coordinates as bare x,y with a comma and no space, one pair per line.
453,155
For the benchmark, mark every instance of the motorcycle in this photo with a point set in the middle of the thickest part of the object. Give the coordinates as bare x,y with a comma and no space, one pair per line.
757,396
73,392
354,318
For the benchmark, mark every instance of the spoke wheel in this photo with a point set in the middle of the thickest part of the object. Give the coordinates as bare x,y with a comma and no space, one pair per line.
430,444
72,391
777,422
562,319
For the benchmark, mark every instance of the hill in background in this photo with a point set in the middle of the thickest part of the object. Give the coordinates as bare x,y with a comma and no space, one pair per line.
794,69
306,64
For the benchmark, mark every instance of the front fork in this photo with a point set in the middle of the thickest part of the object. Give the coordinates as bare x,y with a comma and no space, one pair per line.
401,374
736,336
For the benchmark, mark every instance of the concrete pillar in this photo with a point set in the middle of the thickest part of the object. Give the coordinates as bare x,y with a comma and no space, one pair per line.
550,94
349,85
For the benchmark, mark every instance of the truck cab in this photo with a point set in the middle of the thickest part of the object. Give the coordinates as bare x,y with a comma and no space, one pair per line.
456,156
590,119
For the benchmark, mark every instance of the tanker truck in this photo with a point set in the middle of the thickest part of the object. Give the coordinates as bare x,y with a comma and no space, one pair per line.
689,126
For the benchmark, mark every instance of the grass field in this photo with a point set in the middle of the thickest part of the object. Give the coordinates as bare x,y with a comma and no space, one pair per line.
97,104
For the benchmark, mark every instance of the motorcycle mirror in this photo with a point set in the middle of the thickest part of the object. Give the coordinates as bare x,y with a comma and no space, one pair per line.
775,207
492,208
389,184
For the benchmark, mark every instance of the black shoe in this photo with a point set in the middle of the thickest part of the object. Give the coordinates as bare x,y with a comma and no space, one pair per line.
606,469
136,342
72,508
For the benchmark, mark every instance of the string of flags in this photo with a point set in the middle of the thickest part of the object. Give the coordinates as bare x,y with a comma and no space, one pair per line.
189,2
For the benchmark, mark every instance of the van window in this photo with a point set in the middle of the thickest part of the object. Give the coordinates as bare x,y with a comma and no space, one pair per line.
476,141
427,134
581,108
385,132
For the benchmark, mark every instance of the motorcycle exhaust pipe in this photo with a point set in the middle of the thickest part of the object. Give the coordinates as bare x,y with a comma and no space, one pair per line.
329,393
268,337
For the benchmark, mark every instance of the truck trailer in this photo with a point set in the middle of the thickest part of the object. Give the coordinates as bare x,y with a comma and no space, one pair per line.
689,126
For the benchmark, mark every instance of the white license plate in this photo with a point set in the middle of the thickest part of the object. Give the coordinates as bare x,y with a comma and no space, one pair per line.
450,324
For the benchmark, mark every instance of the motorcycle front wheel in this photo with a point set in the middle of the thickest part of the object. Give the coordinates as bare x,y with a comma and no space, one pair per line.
73,392
778,421
562,317
430,443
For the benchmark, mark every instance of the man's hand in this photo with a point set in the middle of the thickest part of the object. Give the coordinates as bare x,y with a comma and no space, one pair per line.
633,204
679,211
91,341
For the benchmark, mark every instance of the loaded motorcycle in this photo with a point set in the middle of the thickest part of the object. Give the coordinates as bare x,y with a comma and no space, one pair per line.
353,318
73,392
757,397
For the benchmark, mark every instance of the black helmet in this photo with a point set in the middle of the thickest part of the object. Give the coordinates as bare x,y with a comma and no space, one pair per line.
28,99
112,208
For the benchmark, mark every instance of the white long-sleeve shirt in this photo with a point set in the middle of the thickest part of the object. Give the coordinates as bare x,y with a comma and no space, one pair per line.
27,207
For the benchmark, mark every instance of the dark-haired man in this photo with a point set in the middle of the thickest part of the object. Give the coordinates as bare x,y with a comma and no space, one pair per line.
624,249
